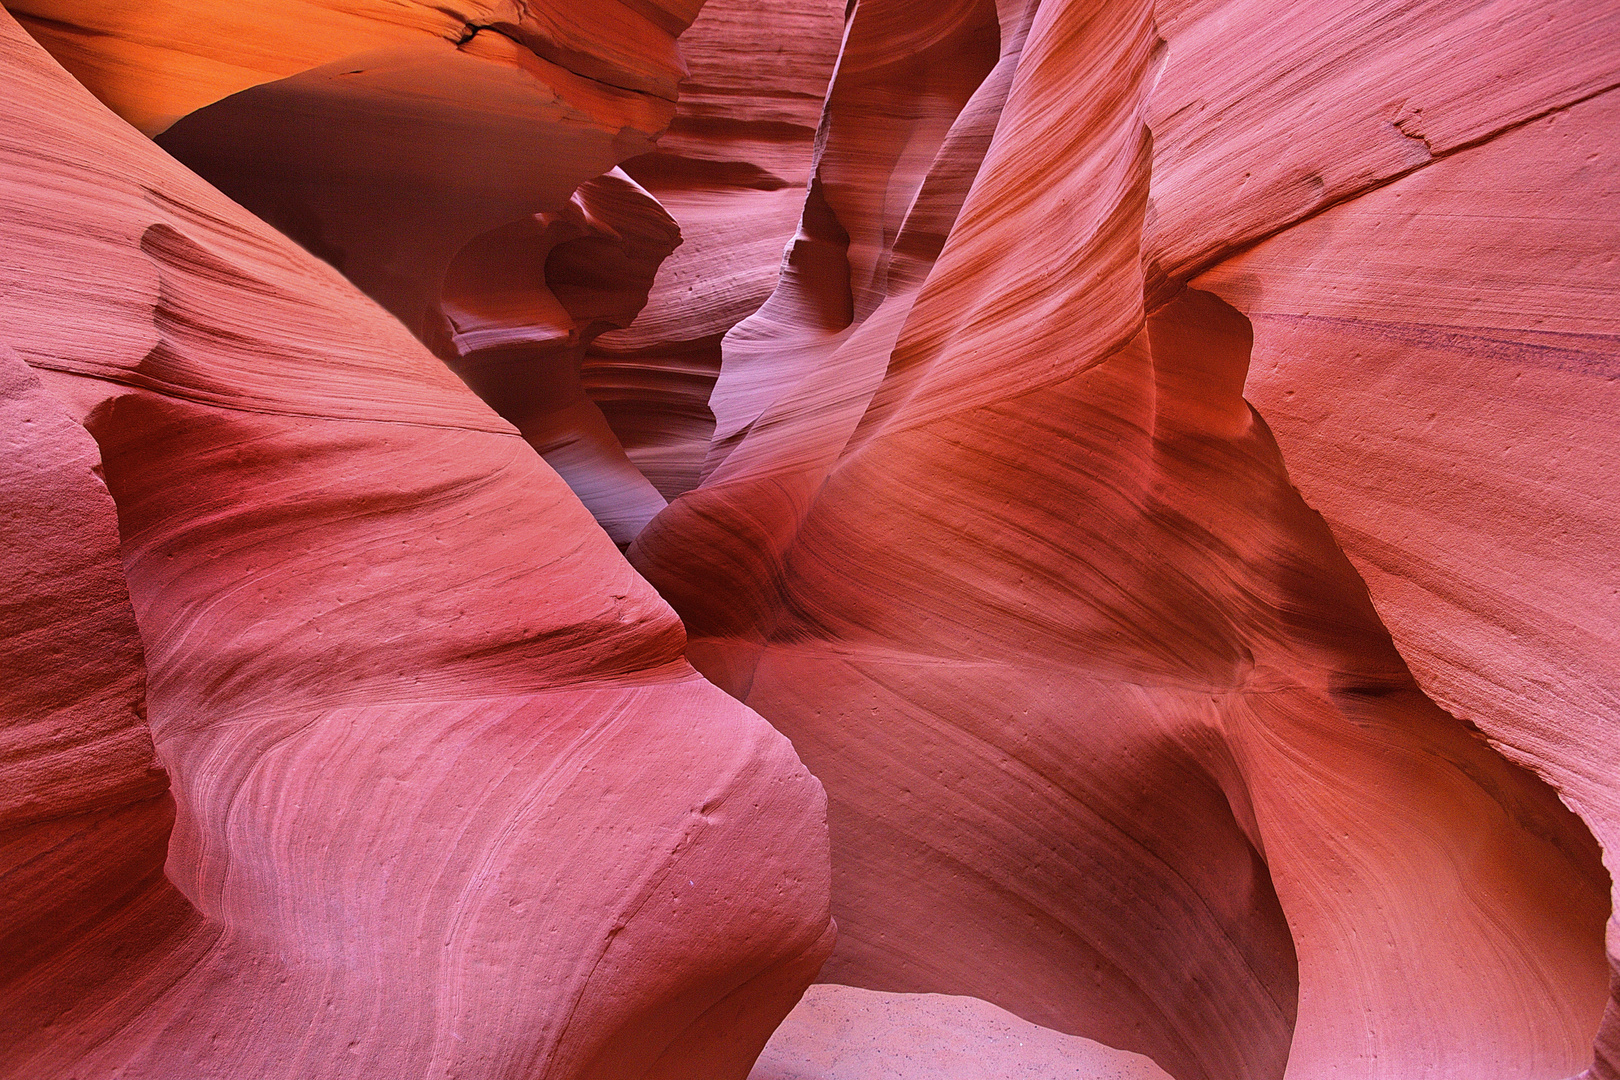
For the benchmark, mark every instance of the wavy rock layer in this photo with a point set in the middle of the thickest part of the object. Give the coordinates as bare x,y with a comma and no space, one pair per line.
1112,732
1449,406
413,142
84,823
382,136
1262,117
732,169
405,143
1497,244
1119,733
438,768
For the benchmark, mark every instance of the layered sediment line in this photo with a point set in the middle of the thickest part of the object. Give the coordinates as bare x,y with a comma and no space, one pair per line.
446,797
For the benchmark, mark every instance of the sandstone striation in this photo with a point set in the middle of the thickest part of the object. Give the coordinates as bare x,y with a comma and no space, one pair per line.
412,140
513,119
1449,406
400,141
732,170
1010,568
1151,460
85,817
447,799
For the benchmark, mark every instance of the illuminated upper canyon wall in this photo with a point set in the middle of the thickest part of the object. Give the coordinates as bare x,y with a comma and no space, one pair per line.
1163,490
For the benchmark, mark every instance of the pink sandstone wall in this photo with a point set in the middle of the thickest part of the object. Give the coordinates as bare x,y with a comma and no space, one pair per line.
1153,462
447,799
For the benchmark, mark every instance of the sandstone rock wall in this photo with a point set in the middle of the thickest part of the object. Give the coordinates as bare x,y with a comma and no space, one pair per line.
447,800
1032,557
1165,499
732,170
1449,405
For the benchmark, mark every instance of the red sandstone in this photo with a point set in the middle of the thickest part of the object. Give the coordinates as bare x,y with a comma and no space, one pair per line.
1154,461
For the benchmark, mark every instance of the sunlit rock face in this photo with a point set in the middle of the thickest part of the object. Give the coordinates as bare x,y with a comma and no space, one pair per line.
155,63
383,136
988,527
404,146
446,798
1153,462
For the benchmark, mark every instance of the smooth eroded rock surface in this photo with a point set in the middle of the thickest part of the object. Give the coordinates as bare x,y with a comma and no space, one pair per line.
447,798
1439,359
1151,460
1112,732
428,151
845,1033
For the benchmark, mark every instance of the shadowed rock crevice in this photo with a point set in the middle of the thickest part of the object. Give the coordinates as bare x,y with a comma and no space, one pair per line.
522,304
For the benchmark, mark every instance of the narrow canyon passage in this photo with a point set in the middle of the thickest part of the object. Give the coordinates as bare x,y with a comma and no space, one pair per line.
1113,505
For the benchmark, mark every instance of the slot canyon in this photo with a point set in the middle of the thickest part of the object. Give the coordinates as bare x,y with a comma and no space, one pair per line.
1085,532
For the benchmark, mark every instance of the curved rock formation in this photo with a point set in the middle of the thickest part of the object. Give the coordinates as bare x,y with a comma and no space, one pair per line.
408,142
1483,264
399,142
447,799
155,63
85,817
732,169
1011,569
1121,732
520,306
1449,405
1262,117
383,137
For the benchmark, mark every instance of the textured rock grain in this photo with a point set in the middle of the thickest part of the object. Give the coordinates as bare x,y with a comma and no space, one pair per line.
402,142
1122,732
1112,732
85,817
1439,361
447,799
732,169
